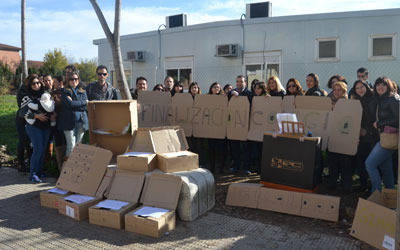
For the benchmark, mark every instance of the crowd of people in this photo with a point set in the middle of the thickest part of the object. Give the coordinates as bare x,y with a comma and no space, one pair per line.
53,109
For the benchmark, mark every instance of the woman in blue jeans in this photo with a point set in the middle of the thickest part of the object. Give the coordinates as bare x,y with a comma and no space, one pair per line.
73,118
386,107
37,126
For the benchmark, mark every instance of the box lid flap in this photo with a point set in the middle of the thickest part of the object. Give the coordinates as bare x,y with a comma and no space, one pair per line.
161,190
126,186
377,198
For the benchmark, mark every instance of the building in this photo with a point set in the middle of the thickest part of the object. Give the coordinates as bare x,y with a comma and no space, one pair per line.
286,46
10,55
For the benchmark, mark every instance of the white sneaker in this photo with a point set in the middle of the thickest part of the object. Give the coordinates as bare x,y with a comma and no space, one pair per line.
35,178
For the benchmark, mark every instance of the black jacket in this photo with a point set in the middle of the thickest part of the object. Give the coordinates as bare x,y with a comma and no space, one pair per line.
367,119
315,91
95,92
281,93
388,110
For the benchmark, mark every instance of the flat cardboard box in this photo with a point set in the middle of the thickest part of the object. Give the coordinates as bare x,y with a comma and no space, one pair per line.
320,206
138,163
243,195
50,200
374,223
126,186
76,211
117,118
84,169
281,201
177,161
160,191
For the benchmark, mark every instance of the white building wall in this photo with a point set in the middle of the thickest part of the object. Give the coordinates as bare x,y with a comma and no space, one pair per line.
293,36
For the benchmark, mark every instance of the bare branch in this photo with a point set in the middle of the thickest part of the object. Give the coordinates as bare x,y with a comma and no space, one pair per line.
103,21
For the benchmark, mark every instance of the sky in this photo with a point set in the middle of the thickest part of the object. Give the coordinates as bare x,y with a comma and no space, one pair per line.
72,25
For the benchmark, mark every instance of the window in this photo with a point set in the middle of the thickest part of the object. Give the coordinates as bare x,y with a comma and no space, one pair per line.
180,69
382,47
262,65
128,74
327,49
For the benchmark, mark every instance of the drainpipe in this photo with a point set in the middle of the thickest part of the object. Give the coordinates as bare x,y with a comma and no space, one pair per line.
243,41
159,50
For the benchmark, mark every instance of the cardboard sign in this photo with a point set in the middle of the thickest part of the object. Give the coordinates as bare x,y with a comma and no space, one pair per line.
84,169
344,127
154,108
263,116
280,201
288,104
320,207
209,116
182,112
237,124
373,223
315,121
243,194
313,102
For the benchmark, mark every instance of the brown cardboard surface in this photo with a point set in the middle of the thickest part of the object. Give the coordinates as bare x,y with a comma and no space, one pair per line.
209,116
169,139
280,201
84,169
390,198
243,194
237,125
372,222
110,218
288,104
182,112
263,116
185,161
313,103
142,141
106,182
50,200
126,186
142,163
150,226
154,108
315,121
114,117
344,127
78,212
161,191
320,207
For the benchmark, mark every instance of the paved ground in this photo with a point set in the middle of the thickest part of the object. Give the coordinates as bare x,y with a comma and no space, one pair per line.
24,224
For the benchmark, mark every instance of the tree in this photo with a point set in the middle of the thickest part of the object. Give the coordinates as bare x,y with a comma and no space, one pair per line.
6,78
54,62
114,40
87,70
24,63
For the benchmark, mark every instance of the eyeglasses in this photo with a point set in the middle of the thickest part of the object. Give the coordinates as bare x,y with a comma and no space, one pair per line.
34,83
102,74
74,79
291,86
159,89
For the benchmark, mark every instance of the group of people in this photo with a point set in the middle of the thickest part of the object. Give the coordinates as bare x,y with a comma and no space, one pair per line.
55,108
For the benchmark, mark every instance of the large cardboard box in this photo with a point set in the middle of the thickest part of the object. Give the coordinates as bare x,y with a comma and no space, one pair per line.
291,161
112,123
281,201
243,195
320,206
76,206
374,223
137,161
122,197
177,161
160,191
49,198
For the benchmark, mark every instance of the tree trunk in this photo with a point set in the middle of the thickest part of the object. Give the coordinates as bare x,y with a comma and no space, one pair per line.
114,41
23,62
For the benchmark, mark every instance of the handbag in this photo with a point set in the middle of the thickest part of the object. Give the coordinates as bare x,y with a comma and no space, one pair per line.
389,138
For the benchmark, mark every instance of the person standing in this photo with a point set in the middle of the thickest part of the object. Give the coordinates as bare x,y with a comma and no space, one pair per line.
312,82
168,83
101,89
141,85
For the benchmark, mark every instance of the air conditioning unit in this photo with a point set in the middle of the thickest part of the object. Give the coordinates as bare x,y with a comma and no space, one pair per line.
227,50
257,10
136,56
176,21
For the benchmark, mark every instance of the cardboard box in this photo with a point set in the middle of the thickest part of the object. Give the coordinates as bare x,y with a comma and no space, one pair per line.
291,162
320,206
112,123
84,169
160,191
49,198
77,211
281,201
243,195
374,223
137,161
159,140
106,182
126,187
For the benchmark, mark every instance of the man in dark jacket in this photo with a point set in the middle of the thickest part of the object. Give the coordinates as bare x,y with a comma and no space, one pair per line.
100,89
141,85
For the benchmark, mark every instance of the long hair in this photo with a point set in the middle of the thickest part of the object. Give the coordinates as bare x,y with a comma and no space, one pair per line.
299,89
212,86
279,86
194,84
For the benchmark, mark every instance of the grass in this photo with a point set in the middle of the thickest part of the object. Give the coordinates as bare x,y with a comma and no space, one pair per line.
8,132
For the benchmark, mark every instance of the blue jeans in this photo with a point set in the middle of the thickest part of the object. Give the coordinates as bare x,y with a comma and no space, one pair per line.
380,158
39,138
73,137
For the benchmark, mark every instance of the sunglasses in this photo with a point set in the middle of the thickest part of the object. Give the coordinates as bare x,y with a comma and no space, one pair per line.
102,74
291,85
34,83
159,89
74,79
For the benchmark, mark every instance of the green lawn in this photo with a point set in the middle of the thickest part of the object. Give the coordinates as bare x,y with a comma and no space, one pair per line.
8,132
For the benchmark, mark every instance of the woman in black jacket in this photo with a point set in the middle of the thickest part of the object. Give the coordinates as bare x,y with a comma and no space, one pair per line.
274,87
386,109
312,82
368,134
